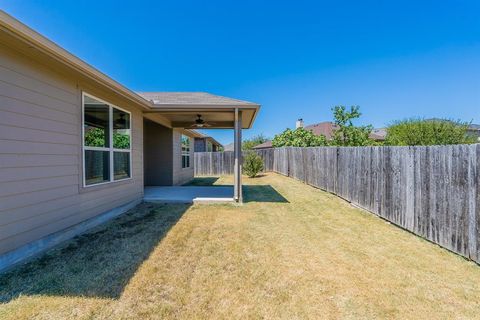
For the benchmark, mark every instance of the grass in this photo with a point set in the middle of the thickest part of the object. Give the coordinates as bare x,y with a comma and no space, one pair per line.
290,252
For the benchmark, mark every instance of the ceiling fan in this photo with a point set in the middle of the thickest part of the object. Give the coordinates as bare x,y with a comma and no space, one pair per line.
120,123
200,123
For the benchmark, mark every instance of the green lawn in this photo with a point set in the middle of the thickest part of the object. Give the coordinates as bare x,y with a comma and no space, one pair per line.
290,252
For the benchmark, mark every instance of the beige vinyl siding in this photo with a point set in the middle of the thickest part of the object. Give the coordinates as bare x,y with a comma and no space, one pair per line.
181,175
40,153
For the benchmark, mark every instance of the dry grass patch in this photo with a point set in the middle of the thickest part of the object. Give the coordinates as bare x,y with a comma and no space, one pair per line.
290,252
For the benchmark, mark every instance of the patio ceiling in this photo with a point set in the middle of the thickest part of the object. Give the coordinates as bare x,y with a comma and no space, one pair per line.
182,108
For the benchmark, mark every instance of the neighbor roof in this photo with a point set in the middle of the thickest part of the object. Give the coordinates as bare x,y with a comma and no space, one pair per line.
265,145
328,128
229,147
323,128
204,136
193,98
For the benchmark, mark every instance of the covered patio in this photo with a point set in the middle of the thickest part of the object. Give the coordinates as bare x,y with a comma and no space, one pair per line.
200,110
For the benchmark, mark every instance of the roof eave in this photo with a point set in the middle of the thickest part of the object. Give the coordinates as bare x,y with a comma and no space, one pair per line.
186,106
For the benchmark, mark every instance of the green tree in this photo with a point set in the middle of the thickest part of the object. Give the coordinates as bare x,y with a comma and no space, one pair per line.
421,132
254,141
252,164
95,137
347,133
298,138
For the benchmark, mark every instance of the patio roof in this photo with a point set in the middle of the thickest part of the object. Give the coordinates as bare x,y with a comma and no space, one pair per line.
182,108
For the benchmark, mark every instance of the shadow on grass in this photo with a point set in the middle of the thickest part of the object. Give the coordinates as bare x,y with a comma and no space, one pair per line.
262,193
97,264
251,193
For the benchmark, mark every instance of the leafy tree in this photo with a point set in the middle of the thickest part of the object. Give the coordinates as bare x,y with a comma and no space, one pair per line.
347,133
254,141
121,141
298,138
421,132
95,137
252,164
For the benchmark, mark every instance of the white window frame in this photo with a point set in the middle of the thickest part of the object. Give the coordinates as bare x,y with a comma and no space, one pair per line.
110,149
183,153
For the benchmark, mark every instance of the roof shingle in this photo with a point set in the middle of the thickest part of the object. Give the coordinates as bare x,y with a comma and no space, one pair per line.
192,98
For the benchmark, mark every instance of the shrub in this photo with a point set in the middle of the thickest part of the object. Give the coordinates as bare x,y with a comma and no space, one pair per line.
252,164
298,138
420,132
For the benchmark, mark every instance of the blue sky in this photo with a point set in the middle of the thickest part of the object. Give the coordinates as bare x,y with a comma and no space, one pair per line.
396,59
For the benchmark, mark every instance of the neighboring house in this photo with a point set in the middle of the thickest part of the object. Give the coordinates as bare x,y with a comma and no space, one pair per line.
327,129
77,145
474,130
265,145
379,134
228,147
205,143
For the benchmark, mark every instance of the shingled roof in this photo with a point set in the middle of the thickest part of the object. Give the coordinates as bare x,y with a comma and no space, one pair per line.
193,98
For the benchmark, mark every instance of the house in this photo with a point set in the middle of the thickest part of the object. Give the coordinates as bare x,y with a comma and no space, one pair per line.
265,145
205,143
327,129
228,147
77,147
474,131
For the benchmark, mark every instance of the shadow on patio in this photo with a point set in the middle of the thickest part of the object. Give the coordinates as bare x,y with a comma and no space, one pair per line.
97,264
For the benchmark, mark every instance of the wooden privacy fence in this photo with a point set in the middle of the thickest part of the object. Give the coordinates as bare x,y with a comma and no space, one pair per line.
431,191
219,163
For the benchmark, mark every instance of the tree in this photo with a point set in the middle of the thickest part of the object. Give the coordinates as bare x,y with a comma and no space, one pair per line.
298,138
252,164
347,133
95,137
254,141
421,132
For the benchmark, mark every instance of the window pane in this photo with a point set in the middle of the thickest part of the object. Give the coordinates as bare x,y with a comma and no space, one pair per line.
121,165
97,167
96,126
121,129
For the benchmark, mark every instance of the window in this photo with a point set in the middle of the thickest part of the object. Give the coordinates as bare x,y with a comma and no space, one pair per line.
209,146
185,151
106,142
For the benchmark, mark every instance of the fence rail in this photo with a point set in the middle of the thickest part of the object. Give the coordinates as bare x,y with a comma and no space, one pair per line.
431,191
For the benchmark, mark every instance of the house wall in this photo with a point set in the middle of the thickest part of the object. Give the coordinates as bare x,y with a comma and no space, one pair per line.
181,175
41,176
200,145
158,156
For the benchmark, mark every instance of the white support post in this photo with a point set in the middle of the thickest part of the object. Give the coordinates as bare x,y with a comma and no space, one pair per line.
237,193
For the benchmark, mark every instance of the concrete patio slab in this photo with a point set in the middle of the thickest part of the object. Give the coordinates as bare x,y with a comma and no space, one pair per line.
189,194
